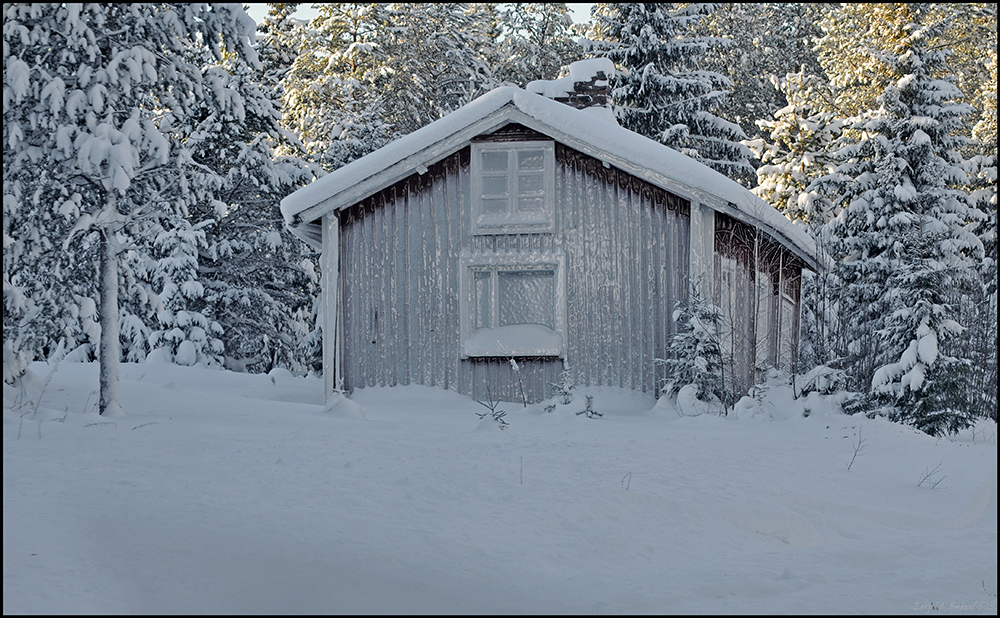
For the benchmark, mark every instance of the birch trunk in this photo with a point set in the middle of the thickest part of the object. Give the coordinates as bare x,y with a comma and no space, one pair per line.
110,397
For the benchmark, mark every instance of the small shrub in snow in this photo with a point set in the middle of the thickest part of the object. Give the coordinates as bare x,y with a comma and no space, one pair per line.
589,410
823,379
858,447
520,382
491,404
564,389
928,477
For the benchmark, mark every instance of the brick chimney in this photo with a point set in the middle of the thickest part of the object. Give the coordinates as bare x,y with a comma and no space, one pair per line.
593,91
585,86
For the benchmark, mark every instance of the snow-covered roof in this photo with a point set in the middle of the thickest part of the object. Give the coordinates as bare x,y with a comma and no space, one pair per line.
591,133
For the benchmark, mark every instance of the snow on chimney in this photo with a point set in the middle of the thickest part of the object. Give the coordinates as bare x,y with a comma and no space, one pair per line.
586,86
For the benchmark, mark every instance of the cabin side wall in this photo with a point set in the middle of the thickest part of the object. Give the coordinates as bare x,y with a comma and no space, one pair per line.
757,285
626,247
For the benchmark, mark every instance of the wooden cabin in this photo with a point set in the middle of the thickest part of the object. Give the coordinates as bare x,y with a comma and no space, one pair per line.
533,227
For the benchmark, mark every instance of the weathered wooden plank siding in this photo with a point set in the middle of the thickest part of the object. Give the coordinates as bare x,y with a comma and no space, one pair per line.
750,272
626,247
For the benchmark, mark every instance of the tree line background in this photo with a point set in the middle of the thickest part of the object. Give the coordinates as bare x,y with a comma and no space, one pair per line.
147,146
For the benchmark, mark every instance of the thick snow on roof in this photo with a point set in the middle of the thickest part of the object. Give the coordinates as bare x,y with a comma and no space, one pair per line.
593,134
551,88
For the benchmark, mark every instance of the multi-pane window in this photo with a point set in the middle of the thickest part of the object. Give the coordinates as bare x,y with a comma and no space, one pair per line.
513,305
512,187
508,297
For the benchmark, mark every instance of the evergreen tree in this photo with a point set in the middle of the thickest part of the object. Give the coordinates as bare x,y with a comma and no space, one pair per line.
802,138
902,232
695,351
922,386
183,333
850,52
534,42
660,91
277,36
331,92
769,39
366,74
92,94
434,62
853,34
260,283
970,36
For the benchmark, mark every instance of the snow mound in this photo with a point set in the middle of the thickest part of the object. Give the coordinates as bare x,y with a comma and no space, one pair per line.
340,406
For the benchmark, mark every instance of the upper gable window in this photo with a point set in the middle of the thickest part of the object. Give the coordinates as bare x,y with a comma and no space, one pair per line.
513,187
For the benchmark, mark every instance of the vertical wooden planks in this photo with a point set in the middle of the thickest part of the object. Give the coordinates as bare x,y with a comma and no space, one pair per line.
625,266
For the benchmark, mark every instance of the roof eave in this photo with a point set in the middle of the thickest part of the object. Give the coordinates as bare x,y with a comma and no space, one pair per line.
418,161
311,232
414,163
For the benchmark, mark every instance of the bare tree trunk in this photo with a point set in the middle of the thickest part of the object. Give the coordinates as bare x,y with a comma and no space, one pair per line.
110,350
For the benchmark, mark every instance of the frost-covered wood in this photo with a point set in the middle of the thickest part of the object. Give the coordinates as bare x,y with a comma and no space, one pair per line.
626,246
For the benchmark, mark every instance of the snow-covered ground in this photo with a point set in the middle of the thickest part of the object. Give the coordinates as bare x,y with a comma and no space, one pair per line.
221,492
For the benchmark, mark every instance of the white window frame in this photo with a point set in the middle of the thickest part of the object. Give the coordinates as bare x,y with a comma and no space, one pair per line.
509,223
508,341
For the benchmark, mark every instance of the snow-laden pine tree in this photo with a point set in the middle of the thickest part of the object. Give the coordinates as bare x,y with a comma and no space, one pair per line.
368,73
797,151
332,92
183,333
852,32
277,34
768,39
696,355
533,41
259,282
904,241
850,52
661,91
92,93
435,61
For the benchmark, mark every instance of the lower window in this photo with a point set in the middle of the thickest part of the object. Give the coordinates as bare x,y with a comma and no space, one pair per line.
513,305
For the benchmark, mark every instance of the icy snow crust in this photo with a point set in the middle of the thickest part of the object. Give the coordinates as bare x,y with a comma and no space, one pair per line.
576,128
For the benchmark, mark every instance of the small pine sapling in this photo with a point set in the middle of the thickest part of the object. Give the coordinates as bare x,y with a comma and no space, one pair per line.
695,351
589,410
564,389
